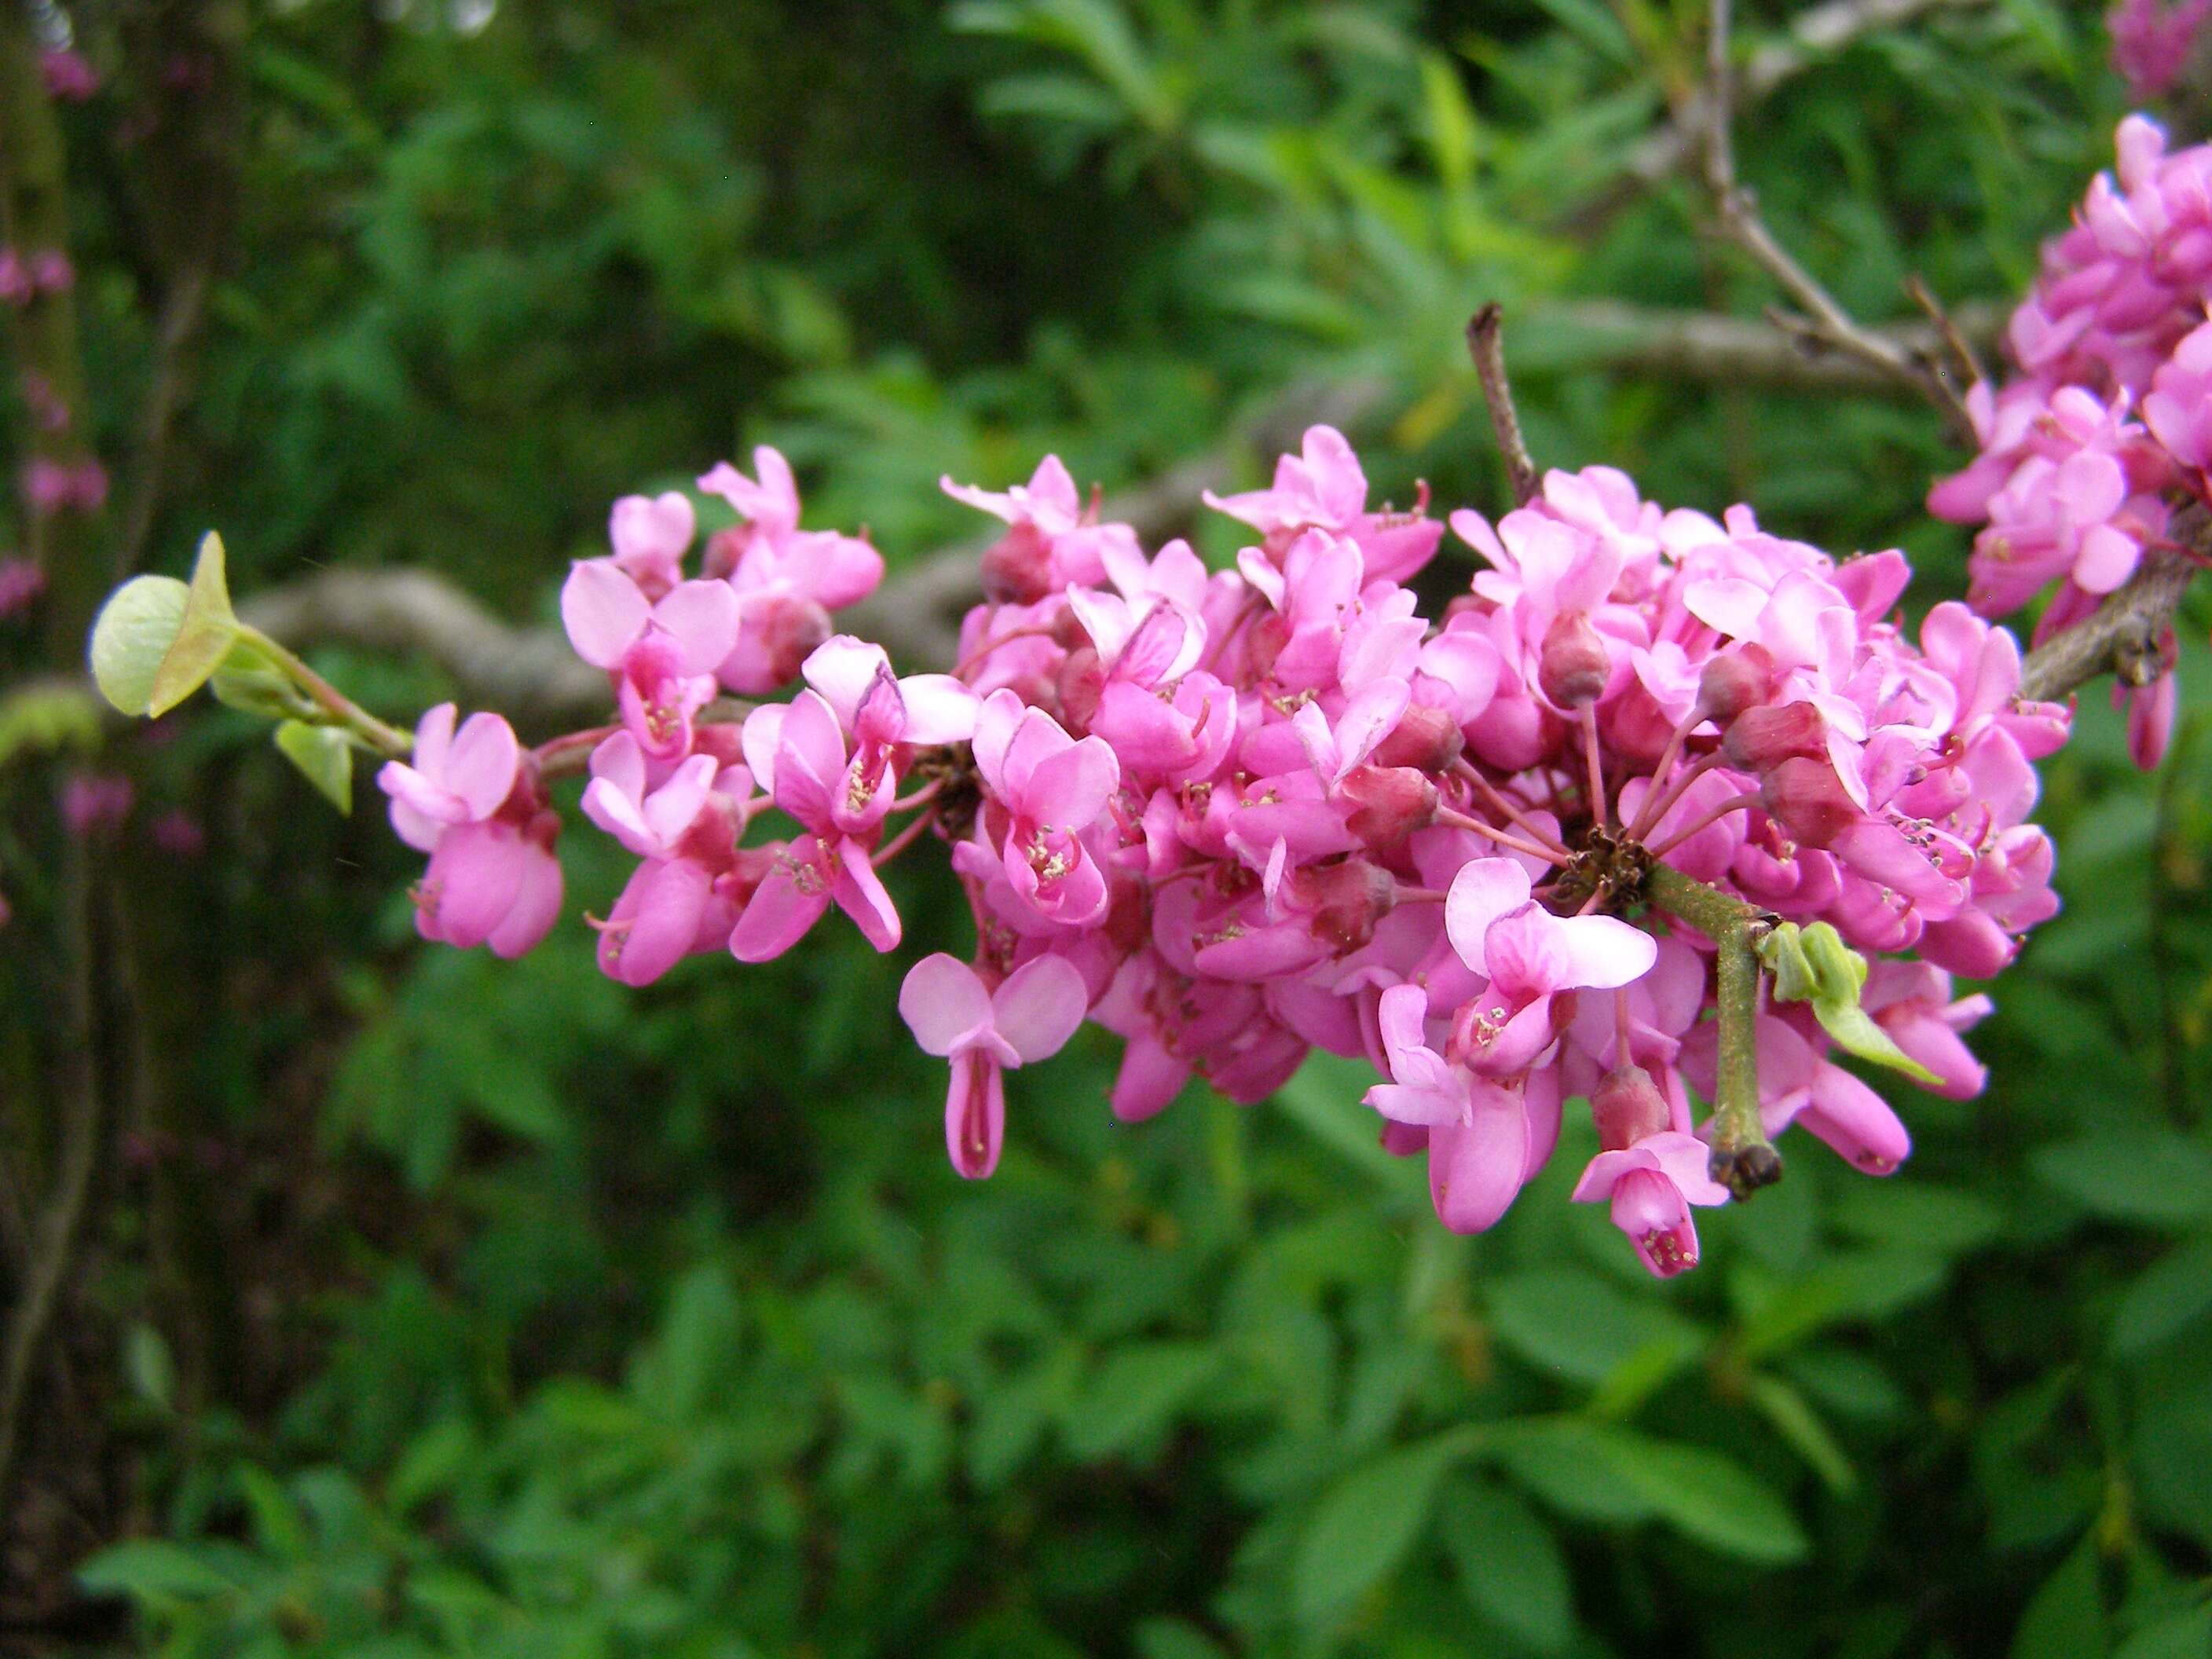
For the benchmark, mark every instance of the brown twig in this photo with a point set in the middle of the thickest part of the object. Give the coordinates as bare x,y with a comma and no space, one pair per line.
2122,637
1818,33
1485,344
1825,325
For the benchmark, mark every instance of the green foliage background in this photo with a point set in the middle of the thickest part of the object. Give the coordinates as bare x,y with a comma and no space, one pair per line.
474,1309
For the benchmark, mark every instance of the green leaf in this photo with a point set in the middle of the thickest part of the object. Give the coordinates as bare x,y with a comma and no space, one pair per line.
1509,1562
47,718
1704,1495
1364,1526
1795,1421
2157,1176
323,753
134,631
146,1363
2184,1636
1812,964
1569,1321
205,632
150,1568
1175,1638
2175,1292
2065,1619
1135,1395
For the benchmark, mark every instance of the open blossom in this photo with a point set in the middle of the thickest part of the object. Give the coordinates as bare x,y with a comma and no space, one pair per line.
982,1031
661,654
787,580
472,800
1235,815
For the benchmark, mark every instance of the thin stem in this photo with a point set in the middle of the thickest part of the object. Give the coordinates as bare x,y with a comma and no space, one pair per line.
989,646
1499,802
1601,809
1743,1159
921,797
1662,801
1706,820
1453,816
1485,343
905,838
569,753
344,712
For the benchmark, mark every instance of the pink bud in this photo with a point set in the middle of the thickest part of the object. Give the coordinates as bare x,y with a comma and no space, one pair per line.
1388,803
1081,681
791,630
720,558
1348,899
1736,681
1017,567
1426,739
1626,1106
1760,739
1806,798
1574,666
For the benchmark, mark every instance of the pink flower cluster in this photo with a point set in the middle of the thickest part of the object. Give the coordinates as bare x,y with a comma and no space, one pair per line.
1233,815
2154,41
2086,453
23,277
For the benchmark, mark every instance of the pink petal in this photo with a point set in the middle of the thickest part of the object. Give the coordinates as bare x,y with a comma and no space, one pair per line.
784,906
762,736
975,1115
480,766
842,668
1474,1169
473,880
537,907
1149,1080
1040,1005
944,1003
939,709
1481,893
705,617
433,735
859,894
1604,951
1422,1107
603,610
1068,790
1332,470
655,920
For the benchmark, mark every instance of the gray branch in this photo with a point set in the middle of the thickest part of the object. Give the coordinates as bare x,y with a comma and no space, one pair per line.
2123,635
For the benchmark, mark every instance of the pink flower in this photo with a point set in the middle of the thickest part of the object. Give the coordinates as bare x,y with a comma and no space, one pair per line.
473,804
787,580
651,535
1323,488
1652,1183
1529,957
1052,538
952,1013
662,655
2152,40
22,582
1053,788
687,895
95,803
67,75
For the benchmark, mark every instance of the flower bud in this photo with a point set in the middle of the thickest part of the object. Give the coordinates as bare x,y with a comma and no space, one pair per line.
1388,803
1081,681
1736,681
791,630
1627,1106
1574,664
1347,900
1806,798
1760,739
1017,567
1426,739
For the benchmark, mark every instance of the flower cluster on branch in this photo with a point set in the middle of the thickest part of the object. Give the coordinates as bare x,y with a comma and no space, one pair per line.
2090,450
1234,815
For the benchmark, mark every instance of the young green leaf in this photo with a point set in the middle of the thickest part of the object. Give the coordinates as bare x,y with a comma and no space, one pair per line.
323,753
1365,1525
132,636
205,632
